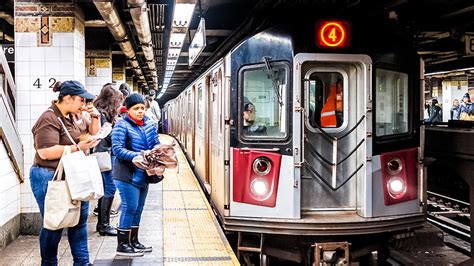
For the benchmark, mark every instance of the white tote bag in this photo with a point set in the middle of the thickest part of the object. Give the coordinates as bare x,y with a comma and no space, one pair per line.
60,211
82,174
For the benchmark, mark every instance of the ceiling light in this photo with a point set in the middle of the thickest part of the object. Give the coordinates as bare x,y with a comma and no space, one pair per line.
182,15
177,39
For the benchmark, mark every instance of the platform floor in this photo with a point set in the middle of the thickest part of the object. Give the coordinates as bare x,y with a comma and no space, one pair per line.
177,221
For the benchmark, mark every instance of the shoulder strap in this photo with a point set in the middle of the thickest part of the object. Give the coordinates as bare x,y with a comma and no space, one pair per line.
64,127
58,174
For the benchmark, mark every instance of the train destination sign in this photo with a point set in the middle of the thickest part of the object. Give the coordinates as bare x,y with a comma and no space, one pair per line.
333,34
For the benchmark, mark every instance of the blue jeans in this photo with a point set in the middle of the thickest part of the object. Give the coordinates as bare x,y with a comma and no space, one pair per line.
133,200
109,185
49,239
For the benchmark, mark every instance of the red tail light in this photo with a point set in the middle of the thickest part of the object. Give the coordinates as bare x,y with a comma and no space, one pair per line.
255,177
399,175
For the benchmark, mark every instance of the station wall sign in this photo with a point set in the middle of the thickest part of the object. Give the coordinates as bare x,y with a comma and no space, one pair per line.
469,39
198,43
9,51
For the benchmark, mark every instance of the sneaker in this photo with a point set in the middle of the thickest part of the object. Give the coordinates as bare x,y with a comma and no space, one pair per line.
113,213
96,211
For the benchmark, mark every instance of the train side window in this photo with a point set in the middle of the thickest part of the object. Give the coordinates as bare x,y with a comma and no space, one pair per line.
391,102
326,100
264,103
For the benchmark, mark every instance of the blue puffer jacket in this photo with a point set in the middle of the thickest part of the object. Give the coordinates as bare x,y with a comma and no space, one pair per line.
128,139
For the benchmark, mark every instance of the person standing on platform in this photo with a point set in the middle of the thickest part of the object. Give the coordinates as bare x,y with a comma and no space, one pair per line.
125,90
107,103
131,135
49,142
436,113
455,110
467,108
153,111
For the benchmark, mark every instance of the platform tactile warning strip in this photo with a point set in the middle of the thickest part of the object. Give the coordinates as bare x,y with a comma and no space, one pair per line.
191,233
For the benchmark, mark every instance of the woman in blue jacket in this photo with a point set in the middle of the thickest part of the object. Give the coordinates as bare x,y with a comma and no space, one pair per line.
135,133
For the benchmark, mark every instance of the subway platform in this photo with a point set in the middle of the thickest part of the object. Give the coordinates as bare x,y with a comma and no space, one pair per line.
177,221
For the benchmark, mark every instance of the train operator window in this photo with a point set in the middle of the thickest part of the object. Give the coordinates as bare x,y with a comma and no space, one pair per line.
264,105
326,100
391,102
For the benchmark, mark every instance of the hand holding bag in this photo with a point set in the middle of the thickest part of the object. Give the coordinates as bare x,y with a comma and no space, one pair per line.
60,211
82,173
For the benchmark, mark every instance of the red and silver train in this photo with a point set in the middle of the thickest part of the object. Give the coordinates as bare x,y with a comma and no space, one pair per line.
306,137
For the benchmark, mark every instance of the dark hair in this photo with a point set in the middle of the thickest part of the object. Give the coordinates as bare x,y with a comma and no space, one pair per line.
108,102
125,89
56,88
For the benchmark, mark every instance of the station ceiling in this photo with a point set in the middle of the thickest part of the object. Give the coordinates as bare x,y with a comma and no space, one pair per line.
439,27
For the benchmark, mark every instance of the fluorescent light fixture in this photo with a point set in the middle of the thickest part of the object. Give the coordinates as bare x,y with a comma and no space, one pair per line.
174,52
171,62
182,15
177,39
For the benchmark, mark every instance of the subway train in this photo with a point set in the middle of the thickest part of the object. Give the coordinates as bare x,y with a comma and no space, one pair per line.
306,138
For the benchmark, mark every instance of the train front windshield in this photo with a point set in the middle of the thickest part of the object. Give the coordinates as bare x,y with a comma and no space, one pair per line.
264,102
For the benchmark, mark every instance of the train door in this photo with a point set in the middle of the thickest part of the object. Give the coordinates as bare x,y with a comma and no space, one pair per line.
334,92
217,137
201,143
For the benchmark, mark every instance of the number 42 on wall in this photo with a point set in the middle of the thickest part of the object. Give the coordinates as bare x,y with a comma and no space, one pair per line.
38,84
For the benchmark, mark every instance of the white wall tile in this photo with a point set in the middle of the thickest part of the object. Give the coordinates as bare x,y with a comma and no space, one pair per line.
67,68
52,54
52,69
25,187
6,169
22,96
26,169
29,156
36,111
27,140
22,54
37,54
23,39
65,38
24,126
67,53
23,84
38,97
37,69
22,69
25,201
23,112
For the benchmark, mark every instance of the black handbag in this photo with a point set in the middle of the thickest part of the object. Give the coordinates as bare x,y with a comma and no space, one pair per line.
154,179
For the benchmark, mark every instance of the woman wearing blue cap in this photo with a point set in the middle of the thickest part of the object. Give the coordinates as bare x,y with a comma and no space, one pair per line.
49,142
136,132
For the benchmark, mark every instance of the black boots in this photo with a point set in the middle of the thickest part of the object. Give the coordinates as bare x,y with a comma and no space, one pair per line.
135,243
103,219
123,246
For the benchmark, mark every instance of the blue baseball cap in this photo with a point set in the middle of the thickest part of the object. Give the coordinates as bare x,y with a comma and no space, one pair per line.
75,88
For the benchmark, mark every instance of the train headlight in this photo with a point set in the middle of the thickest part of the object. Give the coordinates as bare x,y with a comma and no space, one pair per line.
261,166
259,187
394,166
396,187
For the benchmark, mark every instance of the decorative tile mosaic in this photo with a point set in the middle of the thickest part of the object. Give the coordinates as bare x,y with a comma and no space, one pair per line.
43,9
63,24
27,24
99,53
44,34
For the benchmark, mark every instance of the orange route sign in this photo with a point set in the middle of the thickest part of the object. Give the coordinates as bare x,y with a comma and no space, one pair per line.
333,34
